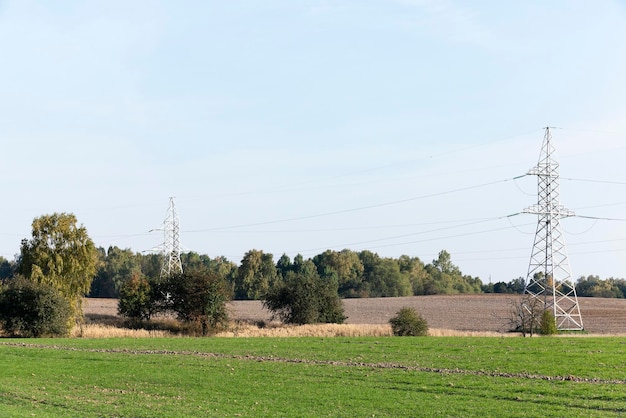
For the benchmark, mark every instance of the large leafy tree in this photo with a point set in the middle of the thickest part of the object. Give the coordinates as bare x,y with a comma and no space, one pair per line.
117,266
201,262
414,269
446,278
199,297
61,255
388,281
137,299
256,275
346,265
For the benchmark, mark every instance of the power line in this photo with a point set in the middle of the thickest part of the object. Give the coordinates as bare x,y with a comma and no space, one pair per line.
409,242
598,218
356,209
621,183
355,228
601,206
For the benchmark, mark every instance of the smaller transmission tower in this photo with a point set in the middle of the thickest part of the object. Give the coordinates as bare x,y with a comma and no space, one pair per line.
171,243
549,280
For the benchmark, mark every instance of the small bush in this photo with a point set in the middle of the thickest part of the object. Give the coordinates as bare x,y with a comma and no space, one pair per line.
305,298
29,309
199,300
547,325
408,322
136,299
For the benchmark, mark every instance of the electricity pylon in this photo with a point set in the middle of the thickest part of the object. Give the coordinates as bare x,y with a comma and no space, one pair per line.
171,243
549,280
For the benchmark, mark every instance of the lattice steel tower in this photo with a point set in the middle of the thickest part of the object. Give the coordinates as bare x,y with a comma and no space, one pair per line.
171,243
549,278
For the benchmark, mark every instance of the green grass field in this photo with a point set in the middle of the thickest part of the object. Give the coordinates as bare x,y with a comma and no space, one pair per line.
444,376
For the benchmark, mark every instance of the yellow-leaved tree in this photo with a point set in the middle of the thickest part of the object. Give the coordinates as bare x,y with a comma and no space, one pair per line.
60,254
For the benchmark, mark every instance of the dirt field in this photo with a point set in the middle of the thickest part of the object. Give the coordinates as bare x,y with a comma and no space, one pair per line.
488,312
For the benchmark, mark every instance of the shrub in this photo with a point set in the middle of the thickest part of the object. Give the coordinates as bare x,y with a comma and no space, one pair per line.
526,315
305,298
547,326
29,309
408,322
136,299
199,299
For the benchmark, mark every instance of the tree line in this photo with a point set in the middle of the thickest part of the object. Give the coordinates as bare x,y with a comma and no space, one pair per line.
356,274
41,291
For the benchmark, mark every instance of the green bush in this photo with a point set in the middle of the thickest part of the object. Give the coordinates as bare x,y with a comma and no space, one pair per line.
305,298
408,322
547,325
29,309
199,299
135,300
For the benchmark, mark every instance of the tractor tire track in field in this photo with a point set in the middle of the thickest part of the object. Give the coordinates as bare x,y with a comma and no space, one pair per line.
397,366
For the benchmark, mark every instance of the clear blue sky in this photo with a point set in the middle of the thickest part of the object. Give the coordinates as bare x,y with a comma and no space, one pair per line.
299,126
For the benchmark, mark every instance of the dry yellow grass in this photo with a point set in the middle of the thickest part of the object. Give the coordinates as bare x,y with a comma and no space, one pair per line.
109,331
318,330
339,330
440,332
243,330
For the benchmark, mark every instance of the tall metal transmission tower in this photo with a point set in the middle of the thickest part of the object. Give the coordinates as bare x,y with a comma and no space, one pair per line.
549,280
171,243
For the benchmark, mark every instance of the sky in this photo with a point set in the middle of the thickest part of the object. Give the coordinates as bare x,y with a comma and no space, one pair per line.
396,126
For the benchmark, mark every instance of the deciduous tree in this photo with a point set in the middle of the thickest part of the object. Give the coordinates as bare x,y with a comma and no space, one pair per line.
256,274
60,254
199,297
305,298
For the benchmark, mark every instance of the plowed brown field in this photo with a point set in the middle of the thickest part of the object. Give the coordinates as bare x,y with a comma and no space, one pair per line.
487,312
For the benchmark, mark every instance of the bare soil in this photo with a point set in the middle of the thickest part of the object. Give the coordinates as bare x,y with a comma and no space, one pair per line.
481,313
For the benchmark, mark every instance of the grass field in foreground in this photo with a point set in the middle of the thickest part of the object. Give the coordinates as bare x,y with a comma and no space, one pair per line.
444,376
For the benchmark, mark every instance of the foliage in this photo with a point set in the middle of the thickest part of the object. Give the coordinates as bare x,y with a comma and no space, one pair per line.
514,286
192,261
357,274
255,276
7,268
347,267
547,326
136,298
593,286
117,266
445,278
60,254
408,322
386,280
29,309
415,271
199,297
303,297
